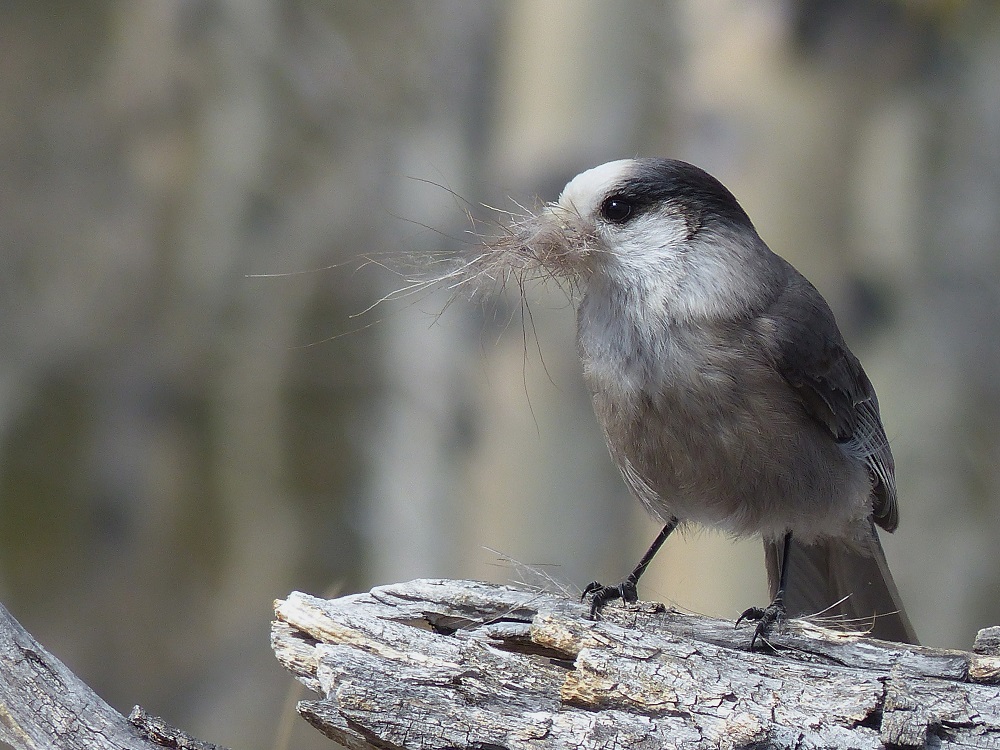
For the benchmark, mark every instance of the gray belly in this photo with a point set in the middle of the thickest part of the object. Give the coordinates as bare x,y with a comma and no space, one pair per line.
730,447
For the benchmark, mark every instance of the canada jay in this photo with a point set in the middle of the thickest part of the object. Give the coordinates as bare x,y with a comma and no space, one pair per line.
724,388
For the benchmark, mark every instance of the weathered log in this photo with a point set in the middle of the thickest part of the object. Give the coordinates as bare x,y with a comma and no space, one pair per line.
44,706
459,664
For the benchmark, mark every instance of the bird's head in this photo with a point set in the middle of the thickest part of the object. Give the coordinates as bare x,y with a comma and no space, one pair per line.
661,228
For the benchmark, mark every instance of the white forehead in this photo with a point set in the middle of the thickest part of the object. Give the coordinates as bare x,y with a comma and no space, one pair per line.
583,192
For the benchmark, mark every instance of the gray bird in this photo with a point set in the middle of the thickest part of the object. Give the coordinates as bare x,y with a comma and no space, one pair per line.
724,388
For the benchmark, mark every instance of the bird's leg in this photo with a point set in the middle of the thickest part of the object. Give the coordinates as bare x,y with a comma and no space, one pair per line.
774,612
627,589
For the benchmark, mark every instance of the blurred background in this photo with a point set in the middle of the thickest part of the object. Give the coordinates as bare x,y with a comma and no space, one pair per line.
183,440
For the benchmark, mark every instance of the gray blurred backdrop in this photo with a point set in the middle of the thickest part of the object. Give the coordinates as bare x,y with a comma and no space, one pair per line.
181,441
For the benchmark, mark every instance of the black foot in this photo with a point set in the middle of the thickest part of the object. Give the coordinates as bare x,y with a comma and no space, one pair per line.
766,617
601,595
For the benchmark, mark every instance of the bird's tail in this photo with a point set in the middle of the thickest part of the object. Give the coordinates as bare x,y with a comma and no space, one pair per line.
851,587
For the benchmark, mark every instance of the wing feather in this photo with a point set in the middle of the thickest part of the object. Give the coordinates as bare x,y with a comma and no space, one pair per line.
832,386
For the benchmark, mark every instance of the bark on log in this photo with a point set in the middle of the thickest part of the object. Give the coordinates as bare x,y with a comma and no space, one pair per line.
44,706
460,664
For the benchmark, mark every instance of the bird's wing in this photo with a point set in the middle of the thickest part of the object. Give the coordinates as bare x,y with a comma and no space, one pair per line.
833,387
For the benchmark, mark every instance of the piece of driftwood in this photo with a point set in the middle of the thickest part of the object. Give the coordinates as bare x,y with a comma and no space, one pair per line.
44,706
460,664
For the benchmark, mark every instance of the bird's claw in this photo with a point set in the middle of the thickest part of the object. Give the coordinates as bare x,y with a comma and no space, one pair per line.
600,595
766,617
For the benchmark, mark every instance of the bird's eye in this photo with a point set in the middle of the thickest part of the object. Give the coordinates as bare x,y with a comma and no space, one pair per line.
616,209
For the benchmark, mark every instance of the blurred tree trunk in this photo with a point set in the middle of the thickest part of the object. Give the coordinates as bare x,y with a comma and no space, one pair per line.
954,317
416,498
